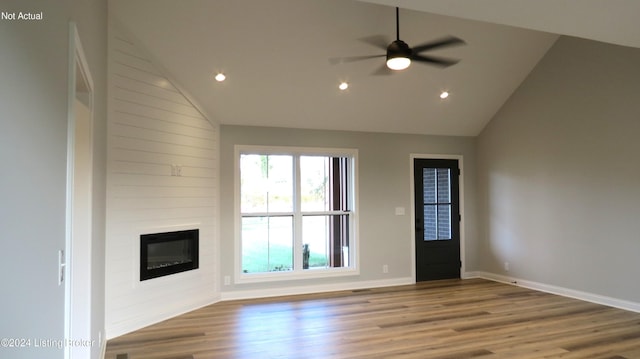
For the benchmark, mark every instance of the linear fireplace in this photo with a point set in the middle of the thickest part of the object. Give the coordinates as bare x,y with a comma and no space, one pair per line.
168,253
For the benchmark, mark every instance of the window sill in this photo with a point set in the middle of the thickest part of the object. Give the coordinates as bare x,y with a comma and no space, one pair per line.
291,276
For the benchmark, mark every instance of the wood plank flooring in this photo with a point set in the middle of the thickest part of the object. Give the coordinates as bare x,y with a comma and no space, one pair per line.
451,319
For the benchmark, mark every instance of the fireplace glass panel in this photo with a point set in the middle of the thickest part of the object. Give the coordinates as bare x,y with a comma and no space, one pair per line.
165,254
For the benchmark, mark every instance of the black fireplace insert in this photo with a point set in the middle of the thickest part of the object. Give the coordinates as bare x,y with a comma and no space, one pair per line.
167,253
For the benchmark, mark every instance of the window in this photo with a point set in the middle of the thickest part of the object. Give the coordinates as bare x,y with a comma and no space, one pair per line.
297,212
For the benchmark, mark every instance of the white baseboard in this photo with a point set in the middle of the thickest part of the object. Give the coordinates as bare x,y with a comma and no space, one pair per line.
264,293
566,292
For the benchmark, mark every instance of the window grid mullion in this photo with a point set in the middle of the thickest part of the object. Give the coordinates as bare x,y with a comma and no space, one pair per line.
297,216
437,212
268,214
326,213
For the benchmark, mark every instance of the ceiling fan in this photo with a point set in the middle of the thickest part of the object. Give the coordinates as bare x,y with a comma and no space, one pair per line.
399,55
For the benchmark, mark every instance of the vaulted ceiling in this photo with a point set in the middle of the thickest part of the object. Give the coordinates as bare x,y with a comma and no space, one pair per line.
279,58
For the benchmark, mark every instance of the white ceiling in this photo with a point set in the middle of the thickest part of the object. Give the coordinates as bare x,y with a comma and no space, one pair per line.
276,55
612,21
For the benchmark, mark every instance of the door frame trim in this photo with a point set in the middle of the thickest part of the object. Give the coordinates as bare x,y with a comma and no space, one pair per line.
77,66
459,158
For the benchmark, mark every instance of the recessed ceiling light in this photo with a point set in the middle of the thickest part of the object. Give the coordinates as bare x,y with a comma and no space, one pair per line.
343,86
220,77
444,95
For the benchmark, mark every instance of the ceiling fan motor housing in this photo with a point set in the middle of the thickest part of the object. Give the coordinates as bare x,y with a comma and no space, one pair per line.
398,48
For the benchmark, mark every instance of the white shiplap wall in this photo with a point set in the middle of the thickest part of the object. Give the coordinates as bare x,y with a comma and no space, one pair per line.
153,128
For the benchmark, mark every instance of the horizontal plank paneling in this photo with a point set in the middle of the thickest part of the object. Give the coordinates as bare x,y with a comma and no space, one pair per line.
126,85
162,176
179,113
144,100
126,56
161,192
160,203
159,146
126,121
119,70
163,137
124,154
161,169
134,179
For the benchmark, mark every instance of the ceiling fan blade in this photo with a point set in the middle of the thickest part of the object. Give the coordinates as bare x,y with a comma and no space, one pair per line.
438,61
348,59
446,41
379,41
383,70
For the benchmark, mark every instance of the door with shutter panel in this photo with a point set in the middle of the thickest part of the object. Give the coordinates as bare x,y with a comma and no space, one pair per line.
437,219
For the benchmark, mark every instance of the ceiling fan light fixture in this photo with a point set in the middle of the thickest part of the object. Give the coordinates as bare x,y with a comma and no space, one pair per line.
398,55
398,63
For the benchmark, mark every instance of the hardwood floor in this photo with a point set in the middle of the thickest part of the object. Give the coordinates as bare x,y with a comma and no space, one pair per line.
450,319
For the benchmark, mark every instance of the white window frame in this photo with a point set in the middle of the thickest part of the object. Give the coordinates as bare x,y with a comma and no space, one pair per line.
296,273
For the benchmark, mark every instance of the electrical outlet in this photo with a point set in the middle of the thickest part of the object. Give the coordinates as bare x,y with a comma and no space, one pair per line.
176,170
227,280
506,266
385,268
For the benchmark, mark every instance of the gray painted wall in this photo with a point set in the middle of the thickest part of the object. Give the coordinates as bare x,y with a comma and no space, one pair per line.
384,171
33,144
559,176
33,133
